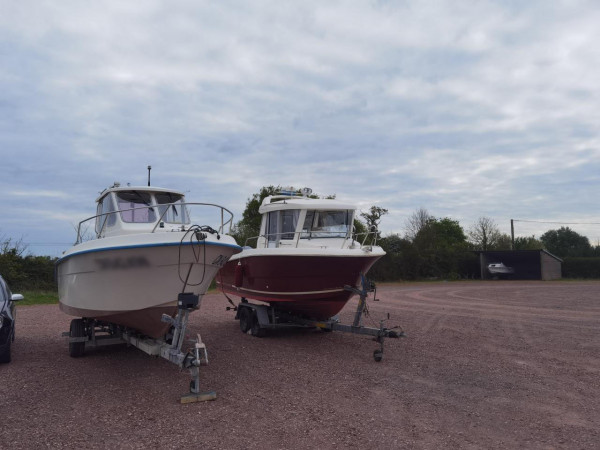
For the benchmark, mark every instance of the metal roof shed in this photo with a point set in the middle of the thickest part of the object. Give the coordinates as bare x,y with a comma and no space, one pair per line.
525,264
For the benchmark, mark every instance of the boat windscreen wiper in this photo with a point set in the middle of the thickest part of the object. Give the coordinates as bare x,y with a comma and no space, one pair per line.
144,201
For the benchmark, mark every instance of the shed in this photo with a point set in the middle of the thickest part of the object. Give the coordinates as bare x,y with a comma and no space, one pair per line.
520,265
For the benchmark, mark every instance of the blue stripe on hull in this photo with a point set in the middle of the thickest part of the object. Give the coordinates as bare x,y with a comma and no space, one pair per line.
162,244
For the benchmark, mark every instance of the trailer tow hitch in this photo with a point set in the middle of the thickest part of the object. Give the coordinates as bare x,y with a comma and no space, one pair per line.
357,327
195,356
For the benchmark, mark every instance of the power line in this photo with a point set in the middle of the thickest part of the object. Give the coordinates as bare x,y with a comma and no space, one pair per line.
557,223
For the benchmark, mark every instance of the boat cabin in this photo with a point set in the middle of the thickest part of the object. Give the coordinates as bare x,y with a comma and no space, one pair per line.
303,221
124,210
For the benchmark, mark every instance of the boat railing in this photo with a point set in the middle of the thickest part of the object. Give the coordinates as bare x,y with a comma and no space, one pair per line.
299,236
365,237
226,218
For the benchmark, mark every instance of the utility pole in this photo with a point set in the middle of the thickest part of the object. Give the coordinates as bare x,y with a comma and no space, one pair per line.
512,234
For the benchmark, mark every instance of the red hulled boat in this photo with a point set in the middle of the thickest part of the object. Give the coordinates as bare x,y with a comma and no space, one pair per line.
305,255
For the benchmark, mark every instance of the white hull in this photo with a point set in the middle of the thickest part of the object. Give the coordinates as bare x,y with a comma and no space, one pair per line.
132,280
500,269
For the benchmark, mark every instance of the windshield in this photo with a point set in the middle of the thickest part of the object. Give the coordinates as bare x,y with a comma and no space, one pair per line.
174,213
141,201
324,224
105,219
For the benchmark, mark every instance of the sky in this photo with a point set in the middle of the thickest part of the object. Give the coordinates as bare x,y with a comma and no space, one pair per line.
468,109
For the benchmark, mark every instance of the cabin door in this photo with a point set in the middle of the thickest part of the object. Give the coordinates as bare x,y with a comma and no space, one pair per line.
272,229
282,225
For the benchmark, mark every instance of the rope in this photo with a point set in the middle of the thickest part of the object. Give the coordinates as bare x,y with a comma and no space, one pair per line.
197,232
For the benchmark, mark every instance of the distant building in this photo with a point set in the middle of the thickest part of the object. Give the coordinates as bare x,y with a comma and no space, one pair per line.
520,265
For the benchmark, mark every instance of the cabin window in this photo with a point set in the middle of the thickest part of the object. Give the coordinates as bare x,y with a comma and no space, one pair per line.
308,223
289,220
323,224
136,207
282,224
272,226
171,208
105,219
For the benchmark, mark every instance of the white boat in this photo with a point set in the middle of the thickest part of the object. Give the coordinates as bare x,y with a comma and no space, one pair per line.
305,257
143,251
500,269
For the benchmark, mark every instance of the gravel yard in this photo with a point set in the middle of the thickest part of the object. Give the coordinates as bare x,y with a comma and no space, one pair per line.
484,365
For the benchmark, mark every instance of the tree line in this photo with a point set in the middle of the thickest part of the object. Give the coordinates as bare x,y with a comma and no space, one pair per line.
25,272
439,247
430,248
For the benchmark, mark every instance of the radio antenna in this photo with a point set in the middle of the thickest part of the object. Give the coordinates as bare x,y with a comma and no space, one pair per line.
149,169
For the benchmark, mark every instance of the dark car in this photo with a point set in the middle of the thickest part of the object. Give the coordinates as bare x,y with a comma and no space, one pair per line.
7,320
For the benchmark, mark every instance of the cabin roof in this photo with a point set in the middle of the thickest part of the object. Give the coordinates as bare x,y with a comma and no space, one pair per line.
136,188
281,203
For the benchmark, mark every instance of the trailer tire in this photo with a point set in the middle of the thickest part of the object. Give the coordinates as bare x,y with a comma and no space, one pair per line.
77,329
256,330
378,355
245,319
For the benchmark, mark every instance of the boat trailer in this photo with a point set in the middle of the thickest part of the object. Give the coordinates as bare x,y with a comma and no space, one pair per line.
92,333
256,319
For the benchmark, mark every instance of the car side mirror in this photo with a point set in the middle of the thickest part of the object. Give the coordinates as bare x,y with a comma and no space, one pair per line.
17,297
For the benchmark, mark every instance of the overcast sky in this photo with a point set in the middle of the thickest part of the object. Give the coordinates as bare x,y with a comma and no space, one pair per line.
467,109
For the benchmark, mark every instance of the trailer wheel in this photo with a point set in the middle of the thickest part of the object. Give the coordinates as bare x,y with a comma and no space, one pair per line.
378,355
77,329
255,329
245,319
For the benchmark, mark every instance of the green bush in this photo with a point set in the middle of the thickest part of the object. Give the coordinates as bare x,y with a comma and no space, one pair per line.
27,273
580,267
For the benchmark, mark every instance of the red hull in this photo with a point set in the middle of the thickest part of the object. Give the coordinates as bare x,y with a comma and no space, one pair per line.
311,286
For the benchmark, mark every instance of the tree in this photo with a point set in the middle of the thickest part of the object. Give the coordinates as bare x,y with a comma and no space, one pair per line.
25,272
249,226
400,261
528,243
392,243
440,244
503,242
360,232
416,222
10,246
484,234
566,242
373,217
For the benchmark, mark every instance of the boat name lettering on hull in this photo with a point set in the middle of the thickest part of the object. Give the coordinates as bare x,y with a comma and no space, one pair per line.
220,260
132,262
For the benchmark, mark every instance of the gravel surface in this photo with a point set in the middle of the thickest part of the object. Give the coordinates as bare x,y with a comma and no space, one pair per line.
484,365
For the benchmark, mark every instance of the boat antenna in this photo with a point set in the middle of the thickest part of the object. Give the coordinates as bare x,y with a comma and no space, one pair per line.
149,169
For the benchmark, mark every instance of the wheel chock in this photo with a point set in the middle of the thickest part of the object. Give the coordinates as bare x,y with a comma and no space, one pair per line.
199,397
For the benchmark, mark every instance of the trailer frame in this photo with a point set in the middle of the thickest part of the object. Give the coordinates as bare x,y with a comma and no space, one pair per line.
87,333
256,319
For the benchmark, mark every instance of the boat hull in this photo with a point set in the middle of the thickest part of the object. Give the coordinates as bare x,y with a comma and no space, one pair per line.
311,285
134,284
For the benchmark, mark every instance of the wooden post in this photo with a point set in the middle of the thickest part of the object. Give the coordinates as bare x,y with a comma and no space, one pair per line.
512,234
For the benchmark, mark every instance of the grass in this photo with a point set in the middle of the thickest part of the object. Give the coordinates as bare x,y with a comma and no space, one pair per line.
51,297
38,298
